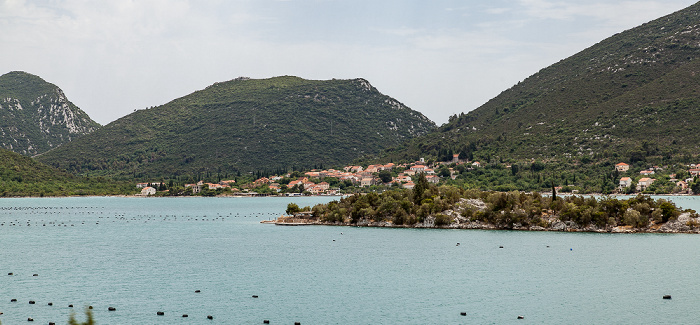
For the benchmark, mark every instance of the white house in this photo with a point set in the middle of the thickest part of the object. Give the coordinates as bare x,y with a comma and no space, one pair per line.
644,183
146,191
625,182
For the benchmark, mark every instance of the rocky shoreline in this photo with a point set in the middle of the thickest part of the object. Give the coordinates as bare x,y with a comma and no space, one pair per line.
683,225
686,222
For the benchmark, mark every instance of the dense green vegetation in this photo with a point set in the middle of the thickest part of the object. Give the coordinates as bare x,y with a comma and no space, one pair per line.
246,125
36,116
23,176
504,210
632,97
571,176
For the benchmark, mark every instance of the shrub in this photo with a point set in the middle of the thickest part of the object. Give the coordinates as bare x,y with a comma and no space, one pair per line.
442,220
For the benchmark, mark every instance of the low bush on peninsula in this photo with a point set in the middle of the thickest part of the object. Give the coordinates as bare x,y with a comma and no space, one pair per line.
448,206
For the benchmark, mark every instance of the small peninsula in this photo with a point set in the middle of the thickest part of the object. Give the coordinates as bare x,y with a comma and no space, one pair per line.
430,206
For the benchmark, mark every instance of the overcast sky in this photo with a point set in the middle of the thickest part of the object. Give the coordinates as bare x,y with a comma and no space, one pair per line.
439,57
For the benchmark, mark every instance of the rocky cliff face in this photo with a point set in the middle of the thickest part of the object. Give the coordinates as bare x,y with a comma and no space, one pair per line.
36,116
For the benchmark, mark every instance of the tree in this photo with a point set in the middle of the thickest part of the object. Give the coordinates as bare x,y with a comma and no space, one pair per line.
292,208
385,176
443,171
419,188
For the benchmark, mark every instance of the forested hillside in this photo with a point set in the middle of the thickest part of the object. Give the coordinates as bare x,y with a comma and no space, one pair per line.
246,125
632,97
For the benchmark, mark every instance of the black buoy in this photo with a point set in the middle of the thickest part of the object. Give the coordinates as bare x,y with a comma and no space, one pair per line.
13,300
31,302
160,313
111,308
265,321
89,307
463,314
255,296
297,323
521,317
197,291
70,306
667,297
210,317
50,304
185,315
52,323
35,274
500,246
30,319
10,273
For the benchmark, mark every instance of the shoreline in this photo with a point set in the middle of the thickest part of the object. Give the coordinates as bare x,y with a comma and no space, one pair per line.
678,226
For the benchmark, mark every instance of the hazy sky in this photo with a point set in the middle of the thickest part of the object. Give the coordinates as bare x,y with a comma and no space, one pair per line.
438,57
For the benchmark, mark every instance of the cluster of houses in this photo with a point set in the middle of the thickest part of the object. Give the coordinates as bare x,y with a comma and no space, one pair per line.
645,181
358,175
150,188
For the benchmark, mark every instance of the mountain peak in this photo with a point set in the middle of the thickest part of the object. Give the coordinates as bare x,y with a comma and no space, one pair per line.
36,116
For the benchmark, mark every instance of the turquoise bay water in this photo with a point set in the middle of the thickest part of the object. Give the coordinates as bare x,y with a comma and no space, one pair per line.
146,255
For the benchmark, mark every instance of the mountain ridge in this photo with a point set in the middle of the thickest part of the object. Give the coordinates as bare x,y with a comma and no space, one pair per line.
36,116
620,96
244,125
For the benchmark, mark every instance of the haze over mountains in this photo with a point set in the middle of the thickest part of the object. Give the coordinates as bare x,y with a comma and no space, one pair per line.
633,95
36,116
247,125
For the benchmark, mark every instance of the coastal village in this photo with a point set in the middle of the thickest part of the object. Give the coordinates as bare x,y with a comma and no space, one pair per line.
643,180
329,181
355,178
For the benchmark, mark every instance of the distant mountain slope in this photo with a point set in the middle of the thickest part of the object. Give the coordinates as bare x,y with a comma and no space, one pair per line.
18,168
24,176
633,95
247,125
36,116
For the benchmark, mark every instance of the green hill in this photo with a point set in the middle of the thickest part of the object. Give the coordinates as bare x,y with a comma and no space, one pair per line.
630,97
36,116
246,125
23,176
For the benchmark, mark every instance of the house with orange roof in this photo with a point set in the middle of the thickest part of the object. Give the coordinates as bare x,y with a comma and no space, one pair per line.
409,185
367,181
622,167
324,186
682,185
644,183
146,191
625,182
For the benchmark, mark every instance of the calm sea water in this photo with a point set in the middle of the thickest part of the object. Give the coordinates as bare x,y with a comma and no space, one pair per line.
143,255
